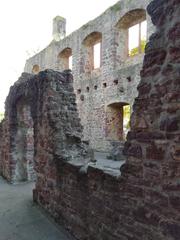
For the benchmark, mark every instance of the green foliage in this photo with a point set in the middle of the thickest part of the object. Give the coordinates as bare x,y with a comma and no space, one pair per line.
126,111
126,116
126,119
1,116
135,51
143,45
128,125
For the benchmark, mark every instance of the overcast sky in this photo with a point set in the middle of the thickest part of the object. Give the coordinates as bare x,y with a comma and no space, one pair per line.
26,26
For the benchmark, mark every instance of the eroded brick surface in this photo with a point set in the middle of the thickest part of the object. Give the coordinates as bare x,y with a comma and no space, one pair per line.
41,115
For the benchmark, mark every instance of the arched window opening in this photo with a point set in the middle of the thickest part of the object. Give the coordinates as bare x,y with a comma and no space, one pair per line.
65,59
36,69
132,28
93,51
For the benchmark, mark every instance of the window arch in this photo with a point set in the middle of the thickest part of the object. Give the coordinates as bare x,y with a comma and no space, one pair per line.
93,51
36,69
65,59
132,28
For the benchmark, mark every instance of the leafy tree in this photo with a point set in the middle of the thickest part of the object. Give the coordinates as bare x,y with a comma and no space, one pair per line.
135,51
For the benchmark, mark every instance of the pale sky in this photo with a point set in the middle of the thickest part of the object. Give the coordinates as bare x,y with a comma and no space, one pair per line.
26,26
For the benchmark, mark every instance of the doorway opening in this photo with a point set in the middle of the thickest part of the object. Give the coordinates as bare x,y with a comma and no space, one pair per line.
118,121
24,145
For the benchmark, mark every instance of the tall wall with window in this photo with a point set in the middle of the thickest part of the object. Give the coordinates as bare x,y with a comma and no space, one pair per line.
105,56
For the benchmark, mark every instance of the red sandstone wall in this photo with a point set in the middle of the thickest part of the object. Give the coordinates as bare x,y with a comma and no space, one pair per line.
144,202
8,152
41,126
6,164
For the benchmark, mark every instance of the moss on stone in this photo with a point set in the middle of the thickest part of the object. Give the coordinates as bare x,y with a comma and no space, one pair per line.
116,7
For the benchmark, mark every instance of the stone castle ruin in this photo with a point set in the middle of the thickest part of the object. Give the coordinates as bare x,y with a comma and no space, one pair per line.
42,137
105,73
41,121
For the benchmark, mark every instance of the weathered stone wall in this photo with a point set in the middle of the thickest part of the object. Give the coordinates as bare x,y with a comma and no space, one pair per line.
17,148
119,72
142,203
33,104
